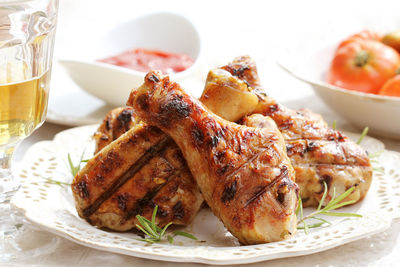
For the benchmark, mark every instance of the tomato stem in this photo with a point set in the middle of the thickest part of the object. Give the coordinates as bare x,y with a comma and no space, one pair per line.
362,58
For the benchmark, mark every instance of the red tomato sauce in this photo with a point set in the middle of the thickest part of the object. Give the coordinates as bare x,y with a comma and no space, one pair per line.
144,60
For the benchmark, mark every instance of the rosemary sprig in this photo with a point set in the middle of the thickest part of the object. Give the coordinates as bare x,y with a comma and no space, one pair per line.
329,208
155,233
76,168
60,183
363,134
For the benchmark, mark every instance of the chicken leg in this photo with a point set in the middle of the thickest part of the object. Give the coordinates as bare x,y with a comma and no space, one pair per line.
317,152
243,173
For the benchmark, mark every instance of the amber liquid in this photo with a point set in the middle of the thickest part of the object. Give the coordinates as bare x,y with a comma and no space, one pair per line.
23,107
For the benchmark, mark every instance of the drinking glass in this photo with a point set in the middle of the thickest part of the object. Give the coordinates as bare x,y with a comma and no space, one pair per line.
27,31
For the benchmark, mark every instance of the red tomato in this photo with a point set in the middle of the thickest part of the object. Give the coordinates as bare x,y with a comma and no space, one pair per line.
363,65
363,35
391,87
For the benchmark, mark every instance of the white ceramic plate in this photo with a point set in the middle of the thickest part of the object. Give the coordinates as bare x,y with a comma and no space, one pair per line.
51,207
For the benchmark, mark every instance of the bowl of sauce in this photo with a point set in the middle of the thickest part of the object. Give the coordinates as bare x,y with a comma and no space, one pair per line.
166,42
145,60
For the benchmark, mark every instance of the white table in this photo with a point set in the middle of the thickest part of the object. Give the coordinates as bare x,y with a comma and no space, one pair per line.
233,28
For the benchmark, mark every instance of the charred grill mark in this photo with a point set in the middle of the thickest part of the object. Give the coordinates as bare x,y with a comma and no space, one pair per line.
162,213
111,157
178,156
154,130
122,199
152,78
239,150
219,155
142,101
240,69
237,70
311,146
147,200
257,194
197,135
260,93
283,189
229,193
125,117
174,110
108,123
104,137
263,189
273,108
82,189
221,171
179,211
145,158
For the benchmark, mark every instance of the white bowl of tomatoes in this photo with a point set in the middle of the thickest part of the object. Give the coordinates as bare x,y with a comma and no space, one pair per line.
358,78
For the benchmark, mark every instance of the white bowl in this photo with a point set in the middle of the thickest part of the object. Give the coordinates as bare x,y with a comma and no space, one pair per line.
160,31
380,113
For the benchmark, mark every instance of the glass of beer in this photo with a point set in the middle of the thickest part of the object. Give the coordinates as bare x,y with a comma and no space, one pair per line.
27,31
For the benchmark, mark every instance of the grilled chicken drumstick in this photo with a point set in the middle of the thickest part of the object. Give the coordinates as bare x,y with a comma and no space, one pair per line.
317,152
140,169
243,173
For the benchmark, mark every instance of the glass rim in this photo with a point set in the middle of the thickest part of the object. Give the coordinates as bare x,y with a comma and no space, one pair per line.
13,2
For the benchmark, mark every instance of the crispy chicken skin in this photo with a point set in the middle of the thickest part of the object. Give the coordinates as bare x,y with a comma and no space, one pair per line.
237,101
318,153
129,176
117,122
244,173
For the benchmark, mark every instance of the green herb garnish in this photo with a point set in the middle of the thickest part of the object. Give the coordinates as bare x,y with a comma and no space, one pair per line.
363,134
60,183
76,168
155,233
332,205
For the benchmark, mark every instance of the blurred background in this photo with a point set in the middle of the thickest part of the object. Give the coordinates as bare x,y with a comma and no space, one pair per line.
228,29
